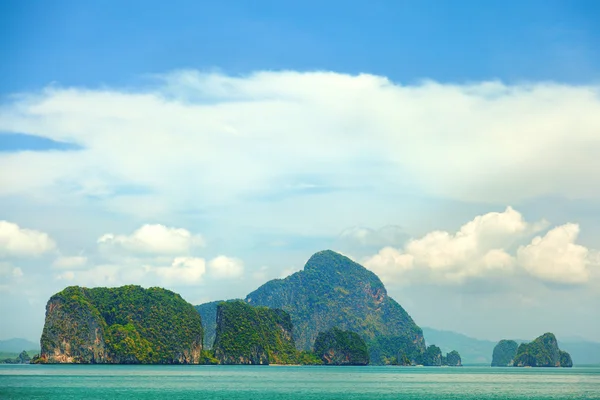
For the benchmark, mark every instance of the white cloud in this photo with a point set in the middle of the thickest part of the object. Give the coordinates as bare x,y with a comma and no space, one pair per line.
173,272
556,257
69,262
183,271
19,242
477,249
153,239
226,267
210,139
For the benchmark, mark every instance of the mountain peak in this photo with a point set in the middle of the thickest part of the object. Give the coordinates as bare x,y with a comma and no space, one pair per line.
327,258
334,291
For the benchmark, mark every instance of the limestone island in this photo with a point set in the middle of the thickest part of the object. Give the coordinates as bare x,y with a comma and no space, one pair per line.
541,352
333,312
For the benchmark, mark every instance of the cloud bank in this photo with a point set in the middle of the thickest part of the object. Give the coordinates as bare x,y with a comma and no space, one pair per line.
206,139
481,249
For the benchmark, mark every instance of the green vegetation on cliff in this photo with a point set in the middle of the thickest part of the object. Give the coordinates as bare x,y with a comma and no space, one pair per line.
431,357
333,291
504,353
253,335
565,359
338,347
306,357
452,359
208,312
128,324
542,352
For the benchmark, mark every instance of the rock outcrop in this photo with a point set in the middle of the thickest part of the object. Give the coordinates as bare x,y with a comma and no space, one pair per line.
125,325
333,291
338,347
504,353
432,357
542,352
253,335
208,312
452,359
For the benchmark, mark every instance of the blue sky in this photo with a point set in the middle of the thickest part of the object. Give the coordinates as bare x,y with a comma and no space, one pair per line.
449,146
111,42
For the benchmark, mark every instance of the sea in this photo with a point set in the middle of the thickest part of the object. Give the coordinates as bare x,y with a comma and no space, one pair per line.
291,382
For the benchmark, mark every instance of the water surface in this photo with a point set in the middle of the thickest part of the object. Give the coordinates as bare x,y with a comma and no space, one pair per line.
270,383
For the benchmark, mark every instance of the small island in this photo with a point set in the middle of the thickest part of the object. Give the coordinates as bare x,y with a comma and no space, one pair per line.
541,352
504,353
432,357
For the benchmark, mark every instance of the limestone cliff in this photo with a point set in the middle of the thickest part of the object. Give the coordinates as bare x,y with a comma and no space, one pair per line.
253,335
126,325
542,352
504,353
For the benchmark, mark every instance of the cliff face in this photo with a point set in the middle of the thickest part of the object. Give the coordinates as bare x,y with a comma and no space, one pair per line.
73,333
253,335
337,347
432,357
504,353
565,359
208,312
126,325
333,291
542,352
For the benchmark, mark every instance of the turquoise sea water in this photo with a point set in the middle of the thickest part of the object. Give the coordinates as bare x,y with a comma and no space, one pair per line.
270,382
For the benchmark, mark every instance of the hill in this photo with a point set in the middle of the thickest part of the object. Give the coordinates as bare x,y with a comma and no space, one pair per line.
128,325
472,351
17,345
333,291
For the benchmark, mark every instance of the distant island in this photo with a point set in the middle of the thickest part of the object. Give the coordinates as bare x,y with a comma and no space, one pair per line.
333,312
541,352
22,358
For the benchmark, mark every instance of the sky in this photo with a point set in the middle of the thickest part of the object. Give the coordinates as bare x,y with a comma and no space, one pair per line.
207,147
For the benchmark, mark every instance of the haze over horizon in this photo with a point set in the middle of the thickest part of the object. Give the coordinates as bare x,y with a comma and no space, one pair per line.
451,148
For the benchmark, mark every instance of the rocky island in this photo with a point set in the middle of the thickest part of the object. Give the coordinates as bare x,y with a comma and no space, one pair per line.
541,352
253,335
452,359
334,291
504,353
125,325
